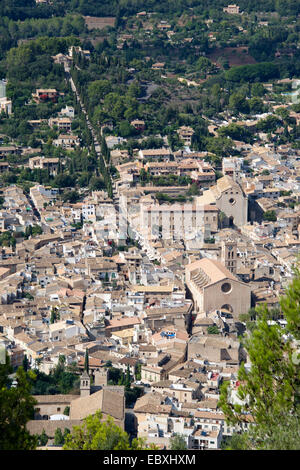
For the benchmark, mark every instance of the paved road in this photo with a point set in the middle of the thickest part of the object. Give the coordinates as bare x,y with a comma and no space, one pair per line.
94,136
35,211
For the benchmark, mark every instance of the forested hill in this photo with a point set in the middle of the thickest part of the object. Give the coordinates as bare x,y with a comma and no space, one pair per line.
22,9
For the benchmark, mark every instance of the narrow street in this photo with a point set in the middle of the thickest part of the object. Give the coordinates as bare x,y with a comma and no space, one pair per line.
74,89
35,211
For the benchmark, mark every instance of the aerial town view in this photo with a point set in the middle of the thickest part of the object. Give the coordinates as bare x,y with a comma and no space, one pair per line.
149,225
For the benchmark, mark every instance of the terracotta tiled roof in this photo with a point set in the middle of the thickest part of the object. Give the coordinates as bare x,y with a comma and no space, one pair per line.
212,268
50,426
108,400
122,322
45,399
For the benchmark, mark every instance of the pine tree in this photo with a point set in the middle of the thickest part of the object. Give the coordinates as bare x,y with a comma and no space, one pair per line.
25,363
127,379
43,438
53,316
16,409
66,433
138,374
58,437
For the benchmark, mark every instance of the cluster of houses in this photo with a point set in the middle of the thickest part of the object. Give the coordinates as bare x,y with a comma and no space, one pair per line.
153,280
62,122
168,308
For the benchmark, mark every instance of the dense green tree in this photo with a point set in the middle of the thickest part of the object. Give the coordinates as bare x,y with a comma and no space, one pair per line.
25,363
36,230
97,183
95,434
63,181
66,433
125,129
127,379
16,409
7,239
251,73
43,438
58,381
58,437
220,146
270,216
53,315
98,89
258,90
131,396
235,132
71,196
238,103
193,190
256,105
269,124
178,442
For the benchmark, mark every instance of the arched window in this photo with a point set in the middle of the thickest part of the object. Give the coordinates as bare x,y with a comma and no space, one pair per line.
227,307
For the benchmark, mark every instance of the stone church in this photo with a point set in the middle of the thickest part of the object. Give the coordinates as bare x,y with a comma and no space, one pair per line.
229,198
214,287
49,410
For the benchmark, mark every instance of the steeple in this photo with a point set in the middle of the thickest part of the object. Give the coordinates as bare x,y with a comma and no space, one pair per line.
229,255
85,385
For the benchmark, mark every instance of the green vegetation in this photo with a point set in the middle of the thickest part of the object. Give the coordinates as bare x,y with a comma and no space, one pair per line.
170,180
117,84
177,442
215,68
33,230
270,390
59,380
250,73
71,196
95,434
16,409
59,437
117,377
42,439
138,368
161,197
54,316
270,216
7,239
236,132
213,330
